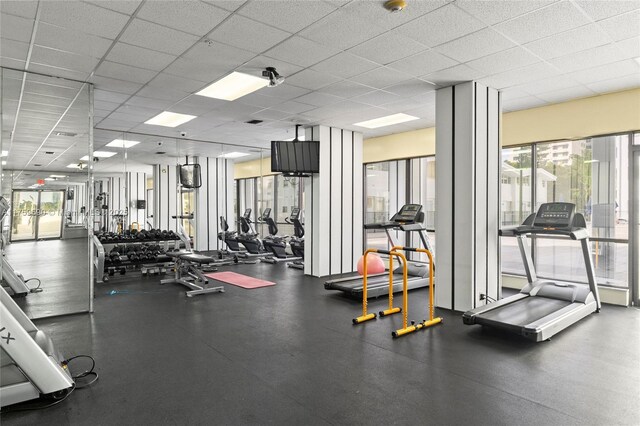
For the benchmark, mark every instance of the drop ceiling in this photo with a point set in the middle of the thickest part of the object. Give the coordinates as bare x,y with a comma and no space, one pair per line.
345,62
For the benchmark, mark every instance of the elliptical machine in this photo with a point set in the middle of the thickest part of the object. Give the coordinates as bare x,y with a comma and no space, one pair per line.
297,241
249,238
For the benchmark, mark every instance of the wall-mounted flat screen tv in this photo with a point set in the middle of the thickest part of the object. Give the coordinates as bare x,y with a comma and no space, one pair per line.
295,157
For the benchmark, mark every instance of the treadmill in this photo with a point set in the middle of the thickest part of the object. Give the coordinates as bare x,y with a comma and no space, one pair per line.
408,219
544,307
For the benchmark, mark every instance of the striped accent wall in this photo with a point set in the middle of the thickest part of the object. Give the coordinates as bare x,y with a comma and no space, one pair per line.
334,203
467,195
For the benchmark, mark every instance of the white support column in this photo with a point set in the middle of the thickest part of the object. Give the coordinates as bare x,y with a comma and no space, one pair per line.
333,203
467,195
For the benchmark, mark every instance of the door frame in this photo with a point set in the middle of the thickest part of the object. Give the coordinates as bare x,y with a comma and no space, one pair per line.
634,220
37,217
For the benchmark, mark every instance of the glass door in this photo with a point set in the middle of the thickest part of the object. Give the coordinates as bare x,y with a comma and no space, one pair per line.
24,209
51,209
37,215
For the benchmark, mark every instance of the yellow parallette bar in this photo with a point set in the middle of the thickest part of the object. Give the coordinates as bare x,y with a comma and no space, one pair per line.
388,312
364,318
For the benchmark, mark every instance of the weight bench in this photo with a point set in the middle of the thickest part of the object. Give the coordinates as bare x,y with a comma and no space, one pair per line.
188,273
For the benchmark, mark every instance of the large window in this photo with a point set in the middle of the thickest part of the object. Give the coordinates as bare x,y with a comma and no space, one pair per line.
377,188
288,196
590,173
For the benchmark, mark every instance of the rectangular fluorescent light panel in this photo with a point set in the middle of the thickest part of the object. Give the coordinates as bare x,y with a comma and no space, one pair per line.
170,119
119,143
233,86
233,155
389,120
49,179
75,166
4,153
57,176
99,154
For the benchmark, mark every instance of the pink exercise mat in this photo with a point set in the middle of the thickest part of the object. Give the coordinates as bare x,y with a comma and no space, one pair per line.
240,280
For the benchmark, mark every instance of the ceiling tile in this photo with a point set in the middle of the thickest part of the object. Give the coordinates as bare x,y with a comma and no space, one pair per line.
16,28
622,26
605,9
615,84
101,95
156,37
218,55
256,99
197,70
388,48
522,75
374,12
588,58
406,104
453,75
114,85
551,84
125,72
284,91
165,81
411,88
310,79
541,23
503,61
345,65
377,98
423,63
13,49
56,58
195,18
629,47
566,94
319,99
123,6
154,103
24,9
341,30
291,16
346,89
571,41
522,103
162,93
381,77
293,107
83,17
198,105
300,51
271,114
476,45
229,5
247,34
58,72
440,26
607,72
139,57
259,63
492,12
71,41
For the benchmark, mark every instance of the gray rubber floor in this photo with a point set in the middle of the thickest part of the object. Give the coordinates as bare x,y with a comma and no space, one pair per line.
289,355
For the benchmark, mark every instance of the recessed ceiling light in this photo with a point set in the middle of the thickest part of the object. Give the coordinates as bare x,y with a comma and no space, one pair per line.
169,119
233,155
4,153
49,179
386,121
99,154
119,143
57,176
76,166
233,86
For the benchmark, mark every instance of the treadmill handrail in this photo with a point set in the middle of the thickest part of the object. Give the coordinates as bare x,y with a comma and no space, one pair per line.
573,233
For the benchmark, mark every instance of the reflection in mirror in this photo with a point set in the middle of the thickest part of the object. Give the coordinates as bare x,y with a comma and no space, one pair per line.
45,151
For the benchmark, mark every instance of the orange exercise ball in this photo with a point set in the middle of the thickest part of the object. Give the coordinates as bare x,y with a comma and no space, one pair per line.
375,265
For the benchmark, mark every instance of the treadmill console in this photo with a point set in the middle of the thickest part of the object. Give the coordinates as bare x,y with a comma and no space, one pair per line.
247,214
555,215
408,214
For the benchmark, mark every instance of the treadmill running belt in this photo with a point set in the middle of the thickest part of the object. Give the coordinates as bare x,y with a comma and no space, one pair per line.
524,311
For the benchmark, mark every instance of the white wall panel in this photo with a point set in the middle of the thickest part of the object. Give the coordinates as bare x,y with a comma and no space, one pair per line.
335,202
347,200
358,214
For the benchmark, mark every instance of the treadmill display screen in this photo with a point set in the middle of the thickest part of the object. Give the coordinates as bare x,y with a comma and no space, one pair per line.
555,215
408,213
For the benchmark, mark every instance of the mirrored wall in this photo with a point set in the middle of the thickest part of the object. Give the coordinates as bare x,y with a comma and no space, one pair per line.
46,140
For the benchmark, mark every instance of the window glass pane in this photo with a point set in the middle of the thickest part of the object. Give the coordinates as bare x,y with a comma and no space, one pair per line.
288,189
377,206
265,199
516,185
515,203
636,139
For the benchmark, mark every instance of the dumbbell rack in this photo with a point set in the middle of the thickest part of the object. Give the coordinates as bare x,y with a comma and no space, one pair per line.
99,259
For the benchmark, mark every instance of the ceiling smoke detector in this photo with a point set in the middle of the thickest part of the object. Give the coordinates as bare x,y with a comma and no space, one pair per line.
394,6
275,79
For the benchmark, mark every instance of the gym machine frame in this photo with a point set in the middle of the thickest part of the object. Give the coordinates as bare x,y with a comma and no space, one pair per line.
406,328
